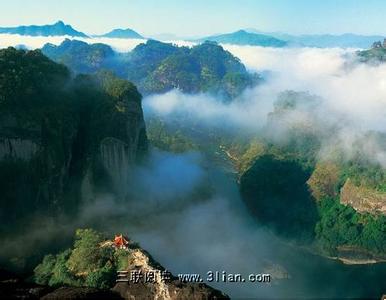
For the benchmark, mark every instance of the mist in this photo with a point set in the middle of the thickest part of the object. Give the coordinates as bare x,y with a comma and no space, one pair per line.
351,97
187,211
37,42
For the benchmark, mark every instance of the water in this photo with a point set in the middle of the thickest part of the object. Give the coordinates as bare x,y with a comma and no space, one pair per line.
220,235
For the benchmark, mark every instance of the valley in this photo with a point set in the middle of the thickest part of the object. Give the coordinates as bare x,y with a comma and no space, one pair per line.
239,153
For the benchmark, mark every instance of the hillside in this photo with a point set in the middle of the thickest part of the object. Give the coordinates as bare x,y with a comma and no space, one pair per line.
375,55
157,67
243,37
81,57
346,40
123,34
94,261
55,129
57,29
328,205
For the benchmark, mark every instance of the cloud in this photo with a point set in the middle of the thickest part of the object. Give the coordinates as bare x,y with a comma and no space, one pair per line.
352,95
37,42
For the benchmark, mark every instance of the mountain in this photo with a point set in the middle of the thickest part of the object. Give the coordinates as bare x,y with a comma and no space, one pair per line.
337,205
243,37
79,56
94,260
56,128
123,34
57,29
347,40
375,55
157,67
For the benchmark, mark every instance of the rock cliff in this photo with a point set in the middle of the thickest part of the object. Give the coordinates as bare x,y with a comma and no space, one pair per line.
56,129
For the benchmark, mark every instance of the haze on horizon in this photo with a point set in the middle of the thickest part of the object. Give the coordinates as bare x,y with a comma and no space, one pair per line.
198,18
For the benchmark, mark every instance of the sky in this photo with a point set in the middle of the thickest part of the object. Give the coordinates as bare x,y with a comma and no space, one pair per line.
201,17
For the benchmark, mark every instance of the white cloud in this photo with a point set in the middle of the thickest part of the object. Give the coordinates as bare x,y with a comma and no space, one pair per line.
35,42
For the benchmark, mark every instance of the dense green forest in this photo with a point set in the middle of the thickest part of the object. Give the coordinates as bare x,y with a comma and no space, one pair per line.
283,182
157,67
51,128
85,264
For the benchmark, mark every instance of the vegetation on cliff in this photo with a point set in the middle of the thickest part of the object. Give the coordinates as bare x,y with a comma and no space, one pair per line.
86,264
51,130
157,67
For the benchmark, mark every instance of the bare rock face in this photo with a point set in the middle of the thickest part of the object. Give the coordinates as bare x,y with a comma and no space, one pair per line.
363,199
152,281
17,148
57,131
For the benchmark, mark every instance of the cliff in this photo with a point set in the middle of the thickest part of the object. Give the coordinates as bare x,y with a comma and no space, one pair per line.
55,129
363,199
157,67
118,266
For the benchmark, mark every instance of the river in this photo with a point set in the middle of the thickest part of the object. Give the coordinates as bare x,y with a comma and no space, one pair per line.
218,234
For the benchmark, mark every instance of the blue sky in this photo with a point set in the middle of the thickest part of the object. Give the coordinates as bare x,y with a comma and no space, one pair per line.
199,17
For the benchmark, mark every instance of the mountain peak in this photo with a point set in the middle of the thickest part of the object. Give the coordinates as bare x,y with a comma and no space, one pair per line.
242,37
241,31
119,33
57,29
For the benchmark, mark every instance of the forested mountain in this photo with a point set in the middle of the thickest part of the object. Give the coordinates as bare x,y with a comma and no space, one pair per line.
55,129
57,29
374,55
81,57
243,37
346,40
157,67
123,34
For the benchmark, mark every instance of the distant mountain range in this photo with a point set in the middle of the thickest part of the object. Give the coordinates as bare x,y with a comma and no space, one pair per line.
249,36
243,37
347,40
61,29
156,67
123,34
57,29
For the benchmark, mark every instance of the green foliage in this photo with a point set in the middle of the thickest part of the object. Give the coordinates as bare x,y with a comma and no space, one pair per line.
87,264
120,257
79,56
54,272
374,55
103,278
364,173
54,125
157,67
324,181
168,140
243,37
276,192
28,78
87,254
43,272
61,275
341,225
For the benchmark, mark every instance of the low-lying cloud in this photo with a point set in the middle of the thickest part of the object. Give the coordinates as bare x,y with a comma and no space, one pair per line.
352,95
37,42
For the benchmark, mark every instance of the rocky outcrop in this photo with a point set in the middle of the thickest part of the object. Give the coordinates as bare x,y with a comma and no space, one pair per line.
363,199
163,285
17,148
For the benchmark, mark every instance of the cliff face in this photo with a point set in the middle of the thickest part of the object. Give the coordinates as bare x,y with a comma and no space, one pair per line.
55,130
140,261
363,199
